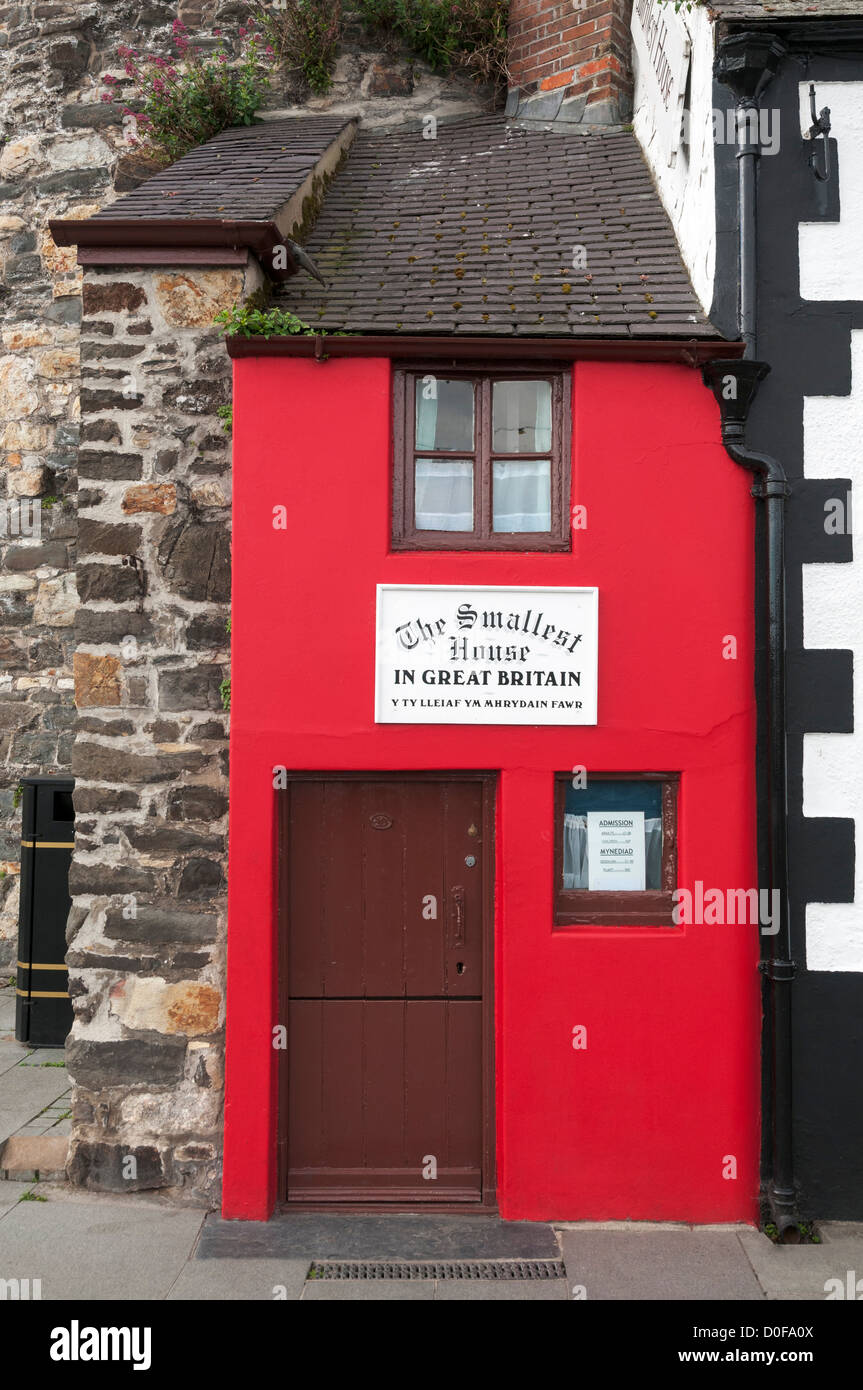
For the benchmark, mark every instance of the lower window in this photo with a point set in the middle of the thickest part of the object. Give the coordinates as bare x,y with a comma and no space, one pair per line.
615,849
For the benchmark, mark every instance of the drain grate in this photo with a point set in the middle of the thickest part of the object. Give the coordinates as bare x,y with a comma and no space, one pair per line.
437,1269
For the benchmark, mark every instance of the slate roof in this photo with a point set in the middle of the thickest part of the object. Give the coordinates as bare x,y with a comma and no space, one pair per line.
786,9
475,232
247,172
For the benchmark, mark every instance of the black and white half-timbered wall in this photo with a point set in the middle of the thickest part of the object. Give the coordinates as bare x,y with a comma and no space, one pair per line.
751,116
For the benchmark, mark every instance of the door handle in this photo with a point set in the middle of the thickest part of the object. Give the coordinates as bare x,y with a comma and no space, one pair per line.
456,899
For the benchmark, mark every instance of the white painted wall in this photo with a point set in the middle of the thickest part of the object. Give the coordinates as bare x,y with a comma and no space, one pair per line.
686,186
831,254
831,268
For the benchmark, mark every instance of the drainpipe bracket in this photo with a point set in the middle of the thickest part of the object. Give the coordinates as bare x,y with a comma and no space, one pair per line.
771,487
779,970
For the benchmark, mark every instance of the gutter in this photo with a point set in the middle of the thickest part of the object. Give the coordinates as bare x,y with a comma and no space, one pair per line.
746,62
692,352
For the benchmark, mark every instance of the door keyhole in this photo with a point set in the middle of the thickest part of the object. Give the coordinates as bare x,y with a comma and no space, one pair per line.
459,969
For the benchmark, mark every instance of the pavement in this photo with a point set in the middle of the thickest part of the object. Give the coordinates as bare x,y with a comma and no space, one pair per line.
35,1096
87,1248
83,1247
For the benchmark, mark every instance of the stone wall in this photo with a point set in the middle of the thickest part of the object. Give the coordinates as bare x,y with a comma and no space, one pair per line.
147,930
64,153
113,620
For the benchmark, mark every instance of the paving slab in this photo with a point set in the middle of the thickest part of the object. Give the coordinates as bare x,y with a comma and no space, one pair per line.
86,1250
369,1290
802,1271
46,1057
377,1238
688,1265
240,1280
501,1290
24,1093
12,1053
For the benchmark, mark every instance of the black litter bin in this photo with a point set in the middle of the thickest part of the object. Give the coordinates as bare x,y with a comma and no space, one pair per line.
43,1010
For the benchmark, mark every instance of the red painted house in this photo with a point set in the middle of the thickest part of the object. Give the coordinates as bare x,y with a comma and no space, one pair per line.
492,704
491,942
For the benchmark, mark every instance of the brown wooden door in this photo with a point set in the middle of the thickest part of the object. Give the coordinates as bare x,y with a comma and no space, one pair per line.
385,1075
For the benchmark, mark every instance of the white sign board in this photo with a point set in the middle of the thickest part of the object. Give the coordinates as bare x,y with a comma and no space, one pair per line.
486,654
660,55
615,851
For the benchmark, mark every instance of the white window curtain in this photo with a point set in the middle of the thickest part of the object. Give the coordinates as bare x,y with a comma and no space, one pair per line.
522,495
575,852
444,494
426,418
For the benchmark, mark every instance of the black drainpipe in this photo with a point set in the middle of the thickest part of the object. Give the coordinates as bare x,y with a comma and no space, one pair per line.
746,63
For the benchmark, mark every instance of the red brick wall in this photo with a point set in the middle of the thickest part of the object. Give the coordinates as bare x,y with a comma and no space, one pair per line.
583,45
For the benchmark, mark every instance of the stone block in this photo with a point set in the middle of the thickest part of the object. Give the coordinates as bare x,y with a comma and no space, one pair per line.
192,299
103,538
116,1167
196,561
200,878
117,583
18,397
94,762
56,602
186,1008
97,679
109,880
160,924
196,804
150,497
196,687
115,297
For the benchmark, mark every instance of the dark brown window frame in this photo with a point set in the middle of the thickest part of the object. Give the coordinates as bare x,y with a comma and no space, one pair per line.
405,534
582,908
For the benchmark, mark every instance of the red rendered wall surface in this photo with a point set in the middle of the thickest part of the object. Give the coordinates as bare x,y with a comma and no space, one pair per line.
642,1123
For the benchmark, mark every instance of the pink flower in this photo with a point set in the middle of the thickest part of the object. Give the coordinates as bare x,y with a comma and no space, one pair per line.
242,32
106,96
217,33
159,87
109,79
179,27
222,58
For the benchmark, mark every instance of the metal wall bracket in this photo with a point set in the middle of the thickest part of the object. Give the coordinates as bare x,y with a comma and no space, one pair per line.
820,127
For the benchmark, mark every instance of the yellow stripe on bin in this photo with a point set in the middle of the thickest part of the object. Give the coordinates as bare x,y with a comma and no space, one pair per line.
47,844
22,965
43,993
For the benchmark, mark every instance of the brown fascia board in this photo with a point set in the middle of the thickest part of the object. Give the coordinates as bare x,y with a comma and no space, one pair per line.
126,235
123,237
690,352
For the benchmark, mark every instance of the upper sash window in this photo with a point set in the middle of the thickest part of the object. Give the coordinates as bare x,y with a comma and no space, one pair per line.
482,461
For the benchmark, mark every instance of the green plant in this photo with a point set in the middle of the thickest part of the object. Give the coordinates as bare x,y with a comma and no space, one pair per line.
226,415
304,35
32,1197
48,502
183,102
225,692
249,322
17,795
467,33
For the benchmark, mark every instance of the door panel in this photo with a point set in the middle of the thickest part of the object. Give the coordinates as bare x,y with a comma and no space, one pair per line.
384,965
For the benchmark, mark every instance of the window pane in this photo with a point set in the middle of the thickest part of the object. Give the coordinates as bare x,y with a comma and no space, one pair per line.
612,836
521,417
444,494
522,496
444,413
